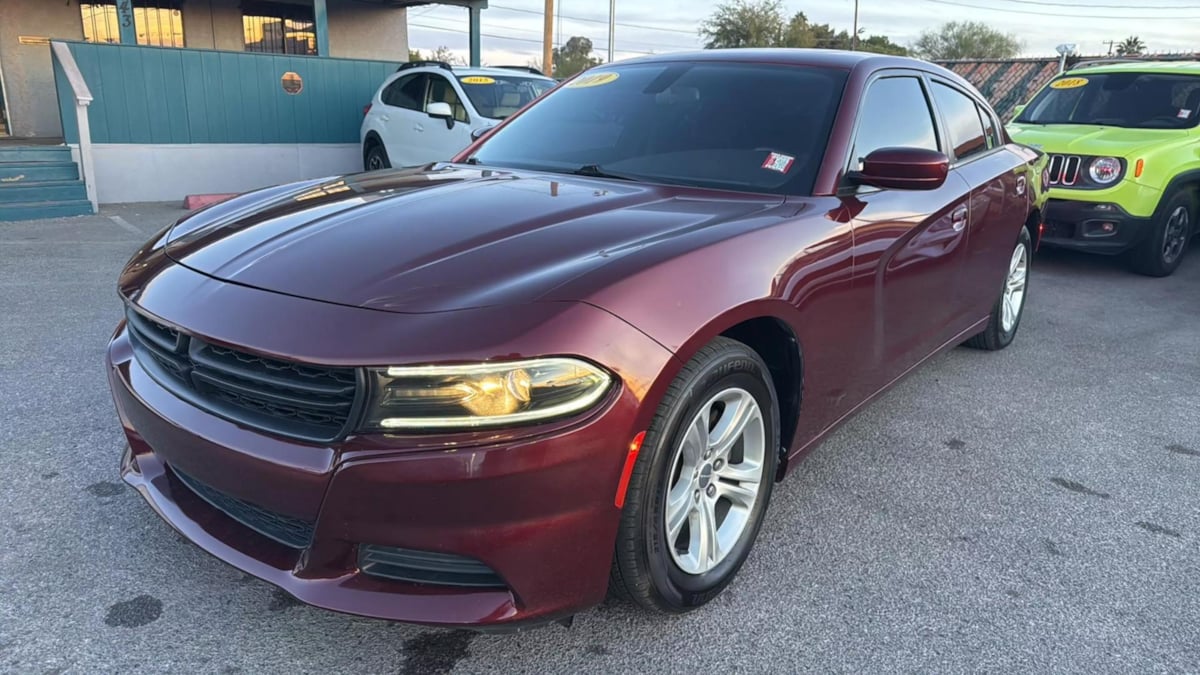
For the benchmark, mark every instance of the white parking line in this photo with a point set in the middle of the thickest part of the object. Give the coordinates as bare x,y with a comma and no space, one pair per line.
126,225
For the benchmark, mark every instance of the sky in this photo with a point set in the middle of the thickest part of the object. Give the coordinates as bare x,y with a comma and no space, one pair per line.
513,28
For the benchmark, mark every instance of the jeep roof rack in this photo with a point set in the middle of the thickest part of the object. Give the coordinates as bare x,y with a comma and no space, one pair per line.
1123,59
421,64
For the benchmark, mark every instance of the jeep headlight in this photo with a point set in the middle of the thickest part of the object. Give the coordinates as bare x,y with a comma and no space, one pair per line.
1105,170
415,398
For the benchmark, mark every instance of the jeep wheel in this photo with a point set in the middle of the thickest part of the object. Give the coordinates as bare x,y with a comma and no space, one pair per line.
1160,254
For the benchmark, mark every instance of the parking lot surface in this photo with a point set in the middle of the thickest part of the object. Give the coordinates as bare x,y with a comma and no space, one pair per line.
1031,510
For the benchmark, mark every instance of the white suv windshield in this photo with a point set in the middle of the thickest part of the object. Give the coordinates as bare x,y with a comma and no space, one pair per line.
499,96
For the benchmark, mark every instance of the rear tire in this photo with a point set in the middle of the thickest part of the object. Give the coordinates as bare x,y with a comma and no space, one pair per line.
376,157
708,461
1010,307
1160,254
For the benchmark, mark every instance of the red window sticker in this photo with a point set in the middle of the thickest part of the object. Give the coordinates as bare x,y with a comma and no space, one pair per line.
779,162
1184,113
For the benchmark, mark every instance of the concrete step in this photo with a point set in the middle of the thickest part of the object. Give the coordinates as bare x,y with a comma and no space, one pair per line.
36,210
35,153
42,191
18,172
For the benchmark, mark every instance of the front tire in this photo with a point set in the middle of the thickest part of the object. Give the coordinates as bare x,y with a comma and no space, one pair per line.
376,157
1160,254
1010,307
701,484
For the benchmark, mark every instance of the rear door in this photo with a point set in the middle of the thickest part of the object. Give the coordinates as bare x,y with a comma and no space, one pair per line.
402,120
909,245
999,197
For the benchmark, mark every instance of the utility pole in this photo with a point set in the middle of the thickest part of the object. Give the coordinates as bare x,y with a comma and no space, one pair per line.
854,37
612,27
1110,44
548,40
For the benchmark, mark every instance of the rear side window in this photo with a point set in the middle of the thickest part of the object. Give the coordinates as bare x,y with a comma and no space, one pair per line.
963,125
407,92
990,129
895,114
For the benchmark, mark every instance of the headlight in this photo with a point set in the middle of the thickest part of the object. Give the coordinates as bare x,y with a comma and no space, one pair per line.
483,395
1105,170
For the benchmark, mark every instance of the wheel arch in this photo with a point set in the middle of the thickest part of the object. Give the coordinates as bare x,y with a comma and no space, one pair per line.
1184,180
371,139
768,327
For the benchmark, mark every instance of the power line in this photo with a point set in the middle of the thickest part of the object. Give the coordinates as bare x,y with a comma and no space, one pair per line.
1028,12
603,21
636,43
1089,6
507,37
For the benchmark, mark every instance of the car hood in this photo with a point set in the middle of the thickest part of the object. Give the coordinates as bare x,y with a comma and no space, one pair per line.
1086,139
440,239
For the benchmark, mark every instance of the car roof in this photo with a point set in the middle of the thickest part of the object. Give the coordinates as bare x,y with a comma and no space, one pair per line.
464,71
1180,67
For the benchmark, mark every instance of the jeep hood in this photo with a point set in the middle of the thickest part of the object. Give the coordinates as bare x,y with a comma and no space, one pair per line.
1096,141
439,240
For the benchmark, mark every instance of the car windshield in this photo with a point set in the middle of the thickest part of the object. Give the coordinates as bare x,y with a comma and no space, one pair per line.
744,127
498,96
1133,100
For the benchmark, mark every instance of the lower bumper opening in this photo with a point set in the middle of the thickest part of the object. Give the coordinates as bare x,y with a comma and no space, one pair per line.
291,532
424,567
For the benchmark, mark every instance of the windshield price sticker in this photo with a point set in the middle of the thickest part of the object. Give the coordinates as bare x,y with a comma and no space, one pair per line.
595,80
1069,83
779,162
477,79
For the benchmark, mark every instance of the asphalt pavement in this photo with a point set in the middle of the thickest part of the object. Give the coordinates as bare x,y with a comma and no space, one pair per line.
1032,510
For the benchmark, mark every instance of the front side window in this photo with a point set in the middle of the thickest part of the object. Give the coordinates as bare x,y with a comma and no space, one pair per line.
895,114
1132,100
743,127
278,28
967,136
157,23
442,91
498,97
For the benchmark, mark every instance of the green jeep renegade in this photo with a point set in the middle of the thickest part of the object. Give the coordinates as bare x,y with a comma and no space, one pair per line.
1124,172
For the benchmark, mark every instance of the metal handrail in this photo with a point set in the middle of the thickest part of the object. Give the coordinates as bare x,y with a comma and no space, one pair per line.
83,99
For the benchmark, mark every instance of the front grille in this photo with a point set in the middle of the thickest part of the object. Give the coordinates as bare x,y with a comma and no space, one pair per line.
291,532
312,403
425,567
1064,169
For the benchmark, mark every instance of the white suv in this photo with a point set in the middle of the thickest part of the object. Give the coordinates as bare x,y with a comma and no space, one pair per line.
427,110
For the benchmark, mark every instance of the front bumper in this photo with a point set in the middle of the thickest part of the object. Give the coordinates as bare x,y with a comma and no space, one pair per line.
536,508
1092,227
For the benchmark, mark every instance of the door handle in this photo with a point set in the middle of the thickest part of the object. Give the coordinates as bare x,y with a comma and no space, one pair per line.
418,127
959,218
384,118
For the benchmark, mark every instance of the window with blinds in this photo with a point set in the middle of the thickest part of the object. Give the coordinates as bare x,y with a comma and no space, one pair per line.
276,28
157,23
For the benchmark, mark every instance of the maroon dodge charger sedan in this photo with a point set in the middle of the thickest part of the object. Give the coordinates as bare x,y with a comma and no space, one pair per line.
576,358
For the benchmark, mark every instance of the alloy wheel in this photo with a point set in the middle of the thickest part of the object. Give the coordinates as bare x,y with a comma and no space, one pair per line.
1014,287
715,480
1175,236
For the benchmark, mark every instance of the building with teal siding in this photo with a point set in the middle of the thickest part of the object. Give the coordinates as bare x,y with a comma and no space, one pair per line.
158,99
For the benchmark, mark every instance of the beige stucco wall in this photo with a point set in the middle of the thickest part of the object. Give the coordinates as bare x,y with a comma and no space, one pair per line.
356,30
28,73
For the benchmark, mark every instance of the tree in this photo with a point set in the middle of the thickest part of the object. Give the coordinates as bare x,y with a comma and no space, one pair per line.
443,54
762,23
966,40
574,57
1132,46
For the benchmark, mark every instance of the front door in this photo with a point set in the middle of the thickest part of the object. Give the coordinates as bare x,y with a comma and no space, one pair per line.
446,138
909,245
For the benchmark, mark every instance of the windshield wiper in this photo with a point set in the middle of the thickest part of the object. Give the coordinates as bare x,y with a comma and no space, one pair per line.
595,171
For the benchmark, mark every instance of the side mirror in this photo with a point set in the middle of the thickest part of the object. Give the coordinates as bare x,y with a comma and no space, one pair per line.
904,169
440,110
480,133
